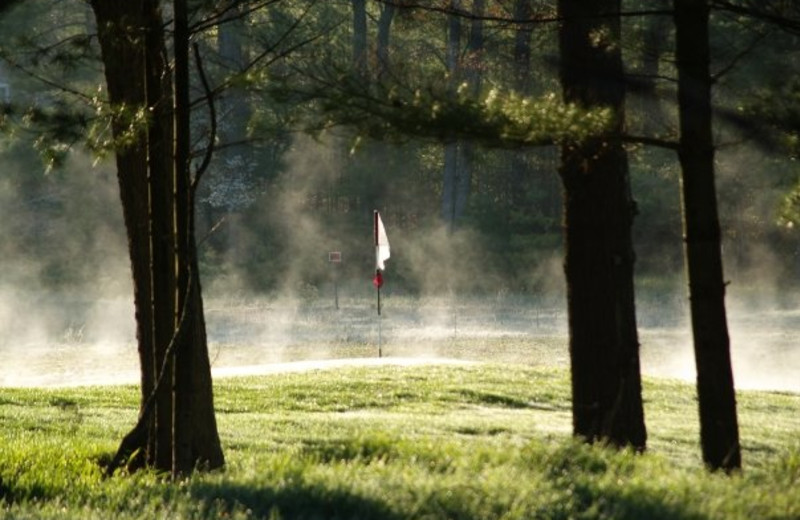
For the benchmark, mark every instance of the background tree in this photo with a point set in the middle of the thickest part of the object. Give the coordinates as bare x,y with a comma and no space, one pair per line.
453,170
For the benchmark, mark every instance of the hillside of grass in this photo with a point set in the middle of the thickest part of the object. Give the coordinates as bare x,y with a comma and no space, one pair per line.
477,441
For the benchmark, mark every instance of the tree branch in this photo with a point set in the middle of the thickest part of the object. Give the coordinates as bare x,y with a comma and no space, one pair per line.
650,141
511,20
212,111
739,57
785,22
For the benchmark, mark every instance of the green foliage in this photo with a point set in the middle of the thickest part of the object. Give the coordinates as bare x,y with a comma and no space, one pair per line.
302,80
500,118
473,441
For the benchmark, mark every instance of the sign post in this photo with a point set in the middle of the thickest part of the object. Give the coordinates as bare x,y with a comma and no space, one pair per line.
335,258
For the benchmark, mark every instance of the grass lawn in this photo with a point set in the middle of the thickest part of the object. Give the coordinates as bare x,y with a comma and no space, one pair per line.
470,441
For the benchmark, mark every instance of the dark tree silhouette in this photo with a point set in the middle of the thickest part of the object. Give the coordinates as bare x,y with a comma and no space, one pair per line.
598,215
176,430
719,431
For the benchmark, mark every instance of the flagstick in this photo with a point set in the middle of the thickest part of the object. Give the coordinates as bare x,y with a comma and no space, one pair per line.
381,254
380,330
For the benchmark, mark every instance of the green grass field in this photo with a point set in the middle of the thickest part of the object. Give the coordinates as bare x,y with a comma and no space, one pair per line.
473,441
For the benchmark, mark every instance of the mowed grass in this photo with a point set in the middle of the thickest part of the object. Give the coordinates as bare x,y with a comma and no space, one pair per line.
475,441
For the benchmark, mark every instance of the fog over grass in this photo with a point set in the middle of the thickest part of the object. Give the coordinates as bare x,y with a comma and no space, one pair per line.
58,339
84,332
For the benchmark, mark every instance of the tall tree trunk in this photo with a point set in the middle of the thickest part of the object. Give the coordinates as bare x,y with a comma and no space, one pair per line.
522,44
196,440
719,430
360,37
654,45
178,432
119,24
604,347
473,73
384,30
160,180
233,170
452,156
182,376
519,164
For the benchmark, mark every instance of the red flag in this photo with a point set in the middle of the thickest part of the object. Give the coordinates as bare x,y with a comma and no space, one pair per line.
377,281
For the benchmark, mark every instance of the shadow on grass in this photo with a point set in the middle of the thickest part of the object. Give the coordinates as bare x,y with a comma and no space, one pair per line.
628,505
295,500
505,401
303,501
580,474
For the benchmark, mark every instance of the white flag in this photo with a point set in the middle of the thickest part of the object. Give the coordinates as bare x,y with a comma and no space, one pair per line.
381,243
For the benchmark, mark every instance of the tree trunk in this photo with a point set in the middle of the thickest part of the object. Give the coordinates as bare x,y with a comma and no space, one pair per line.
233,169
196,440
604,347
452,157
473,73
161,215
119,24
719,430
360,37
648,103
522,45
176,430
384,30
519,161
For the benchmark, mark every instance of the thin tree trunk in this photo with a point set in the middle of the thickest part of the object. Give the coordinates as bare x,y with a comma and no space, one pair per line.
360,37
161,185
450,173
233,159
719,430
119,24
604,347
654,45
384,30
182,460
522,45
473,72
519,160
452,156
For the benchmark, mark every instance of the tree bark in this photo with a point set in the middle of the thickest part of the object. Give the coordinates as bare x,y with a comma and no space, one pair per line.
176,430
452,157
473,74
233,170
648,104
719,430
196,440
604,347
384,30
522,45
161,215
518,164
118,26
360,38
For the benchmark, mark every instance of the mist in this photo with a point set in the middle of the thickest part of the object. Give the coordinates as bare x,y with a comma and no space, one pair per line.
272,296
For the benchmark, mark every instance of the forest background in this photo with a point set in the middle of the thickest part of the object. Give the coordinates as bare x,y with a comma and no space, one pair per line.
465,216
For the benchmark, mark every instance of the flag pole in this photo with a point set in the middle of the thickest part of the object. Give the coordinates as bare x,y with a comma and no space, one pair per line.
381,254
375,218
380,325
